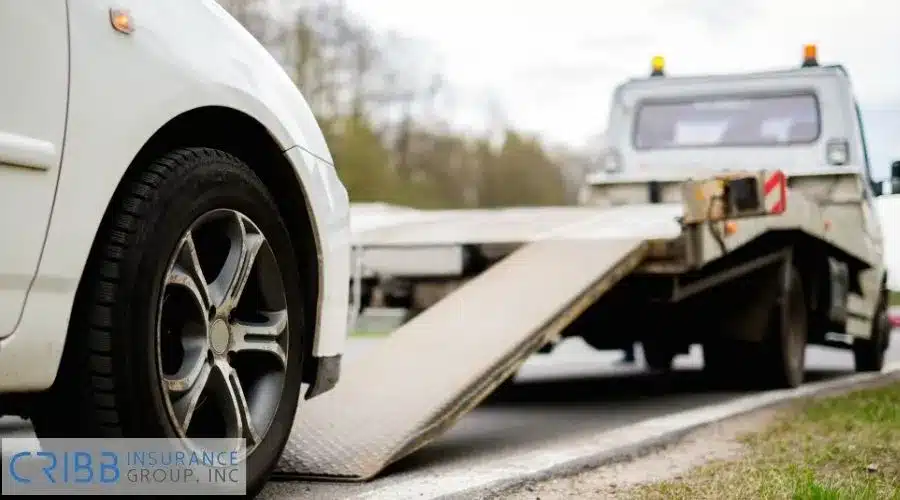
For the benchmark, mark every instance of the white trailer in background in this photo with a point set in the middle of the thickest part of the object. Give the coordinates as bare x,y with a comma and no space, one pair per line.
733,211
888,208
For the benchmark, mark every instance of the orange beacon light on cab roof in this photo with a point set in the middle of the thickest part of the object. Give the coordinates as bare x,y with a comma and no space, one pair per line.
810,55
657,66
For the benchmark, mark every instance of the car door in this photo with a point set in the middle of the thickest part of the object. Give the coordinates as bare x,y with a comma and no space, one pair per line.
34,74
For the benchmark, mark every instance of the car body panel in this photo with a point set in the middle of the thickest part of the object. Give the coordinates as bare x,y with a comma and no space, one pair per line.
34,59
124,88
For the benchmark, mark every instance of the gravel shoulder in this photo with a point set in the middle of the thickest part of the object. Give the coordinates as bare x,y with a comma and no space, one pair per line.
838,445
716,442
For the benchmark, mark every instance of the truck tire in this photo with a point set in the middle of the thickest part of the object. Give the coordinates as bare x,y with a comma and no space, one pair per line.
152,351
658,355
868,354
783,350
725,362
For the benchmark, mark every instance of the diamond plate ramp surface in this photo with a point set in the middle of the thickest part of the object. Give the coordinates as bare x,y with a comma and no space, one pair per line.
432,370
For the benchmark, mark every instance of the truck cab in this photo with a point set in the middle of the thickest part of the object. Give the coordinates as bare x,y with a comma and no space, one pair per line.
799,120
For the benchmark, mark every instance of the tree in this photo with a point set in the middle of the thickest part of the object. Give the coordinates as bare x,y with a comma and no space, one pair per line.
379,114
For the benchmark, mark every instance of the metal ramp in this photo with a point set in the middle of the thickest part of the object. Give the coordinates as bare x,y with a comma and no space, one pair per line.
431,371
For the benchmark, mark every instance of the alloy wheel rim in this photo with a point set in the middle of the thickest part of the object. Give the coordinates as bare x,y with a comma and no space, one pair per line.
223,343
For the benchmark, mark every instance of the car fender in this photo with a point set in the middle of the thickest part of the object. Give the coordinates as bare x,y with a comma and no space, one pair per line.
124,87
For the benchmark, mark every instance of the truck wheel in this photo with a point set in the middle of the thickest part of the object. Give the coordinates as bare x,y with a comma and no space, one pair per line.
868,354
658,355
725,362
783,351
189,319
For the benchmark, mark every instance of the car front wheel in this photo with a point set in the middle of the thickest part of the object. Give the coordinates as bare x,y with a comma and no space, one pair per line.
188,323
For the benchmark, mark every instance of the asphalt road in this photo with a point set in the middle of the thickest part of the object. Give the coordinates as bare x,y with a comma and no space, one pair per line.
573,391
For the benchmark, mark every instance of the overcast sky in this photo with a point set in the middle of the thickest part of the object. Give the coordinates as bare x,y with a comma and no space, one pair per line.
552,64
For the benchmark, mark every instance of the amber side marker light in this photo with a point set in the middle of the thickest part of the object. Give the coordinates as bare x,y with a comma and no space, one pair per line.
731,227
121,21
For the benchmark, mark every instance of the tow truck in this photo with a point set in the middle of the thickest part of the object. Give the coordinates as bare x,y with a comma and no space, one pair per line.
731,211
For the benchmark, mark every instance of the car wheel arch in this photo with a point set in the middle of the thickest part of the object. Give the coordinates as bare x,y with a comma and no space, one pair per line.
241,135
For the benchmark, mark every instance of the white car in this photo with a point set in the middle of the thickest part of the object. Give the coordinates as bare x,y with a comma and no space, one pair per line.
174,258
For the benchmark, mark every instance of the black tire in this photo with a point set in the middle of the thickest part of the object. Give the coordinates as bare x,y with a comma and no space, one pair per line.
658,355
783,350
869,354
714,362
725,362
779,360
110,378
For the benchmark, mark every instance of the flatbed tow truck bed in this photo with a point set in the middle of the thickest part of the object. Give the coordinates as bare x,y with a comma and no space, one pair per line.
442,363
435,243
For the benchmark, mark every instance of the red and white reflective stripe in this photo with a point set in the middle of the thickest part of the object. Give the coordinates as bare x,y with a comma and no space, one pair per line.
775,192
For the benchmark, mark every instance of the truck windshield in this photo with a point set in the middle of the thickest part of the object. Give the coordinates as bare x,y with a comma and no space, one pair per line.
727,121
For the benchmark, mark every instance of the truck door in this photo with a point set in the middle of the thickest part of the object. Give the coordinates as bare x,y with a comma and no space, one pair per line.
870,215
34,80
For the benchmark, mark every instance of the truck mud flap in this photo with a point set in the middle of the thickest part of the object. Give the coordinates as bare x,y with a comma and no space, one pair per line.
430,372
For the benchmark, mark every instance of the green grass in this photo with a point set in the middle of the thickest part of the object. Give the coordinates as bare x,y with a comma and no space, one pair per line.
821,450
